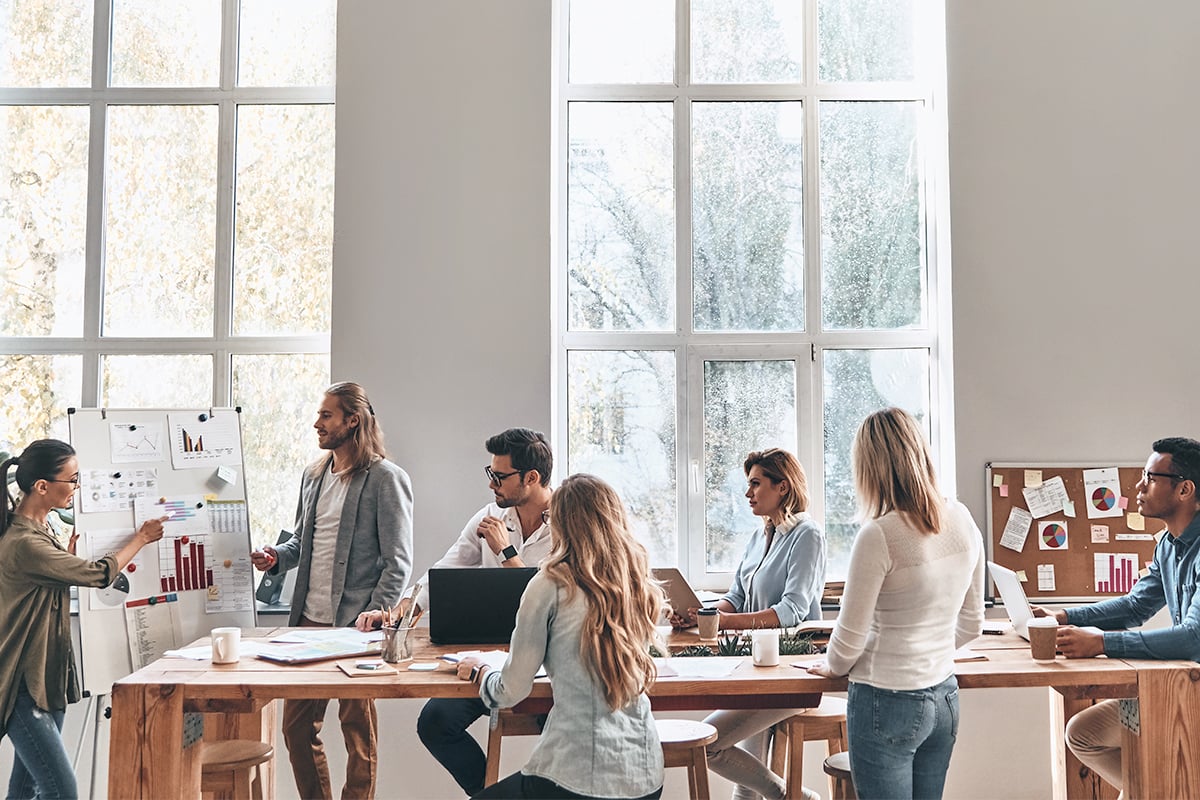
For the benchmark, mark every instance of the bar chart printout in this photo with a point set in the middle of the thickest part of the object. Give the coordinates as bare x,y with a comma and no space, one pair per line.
184,565
1115,573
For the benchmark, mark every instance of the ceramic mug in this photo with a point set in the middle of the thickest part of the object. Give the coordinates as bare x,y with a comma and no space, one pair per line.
764,647
226,642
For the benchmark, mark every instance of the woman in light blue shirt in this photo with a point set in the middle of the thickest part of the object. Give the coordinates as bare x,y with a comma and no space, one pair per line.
588,616
778,584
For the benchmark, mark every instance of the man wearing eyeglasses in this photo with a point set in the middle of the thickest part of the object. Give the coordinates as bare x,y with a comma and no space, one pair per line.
511,531
1167,491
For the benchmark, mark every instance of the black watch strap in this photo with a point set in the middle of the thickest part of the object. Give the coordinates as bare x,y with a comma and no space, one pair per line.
509,552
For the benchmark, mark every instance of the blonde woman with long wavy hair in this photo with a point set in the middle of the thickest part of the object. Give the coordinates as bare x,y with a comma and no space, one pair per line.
588,616
914,593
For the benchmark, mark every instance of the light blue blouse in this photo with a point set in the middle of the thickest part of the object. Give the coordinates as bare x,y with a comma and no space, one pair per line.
790,578
585,747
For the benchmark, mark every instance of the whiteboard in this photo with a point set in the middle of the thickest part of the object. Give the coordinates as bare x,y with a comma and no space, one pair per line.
140,463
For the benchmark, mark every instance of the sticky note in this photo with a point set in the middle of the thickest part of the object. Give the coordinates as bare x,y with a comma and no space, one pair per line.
1136,521
1033,478
1123,502
226,473
1069,508
1021,576
997,479
1099,534
1004,490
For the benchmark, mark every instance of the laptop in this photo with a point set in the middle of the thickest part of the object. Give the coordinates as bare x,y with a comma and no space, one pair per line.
1013,595
475,605
680,594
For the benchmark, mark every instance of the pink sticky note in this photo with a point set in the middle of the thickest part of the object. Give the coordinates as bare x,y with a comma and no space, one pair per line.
1004,490
1123,502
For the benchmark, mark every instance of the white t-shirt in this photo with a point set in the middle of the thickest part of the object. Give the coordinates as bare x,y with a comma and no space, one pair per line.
911,599
318,603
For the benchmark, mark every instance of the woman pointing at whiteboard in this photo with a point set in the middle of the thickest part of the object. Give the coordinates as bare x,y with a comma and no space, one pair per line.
37,666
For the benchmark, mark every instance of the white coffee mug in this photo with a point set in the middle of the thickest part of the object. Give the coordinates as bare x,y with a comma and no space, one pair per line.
764,647
226,642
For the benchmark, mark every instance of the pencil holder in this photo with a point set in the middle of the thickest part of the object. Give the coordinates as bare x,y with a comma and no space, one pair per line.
396,645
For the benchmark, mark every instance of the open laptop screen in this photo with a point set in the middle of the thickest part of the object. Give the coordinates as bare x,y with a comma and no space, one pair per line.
475,605
1013,595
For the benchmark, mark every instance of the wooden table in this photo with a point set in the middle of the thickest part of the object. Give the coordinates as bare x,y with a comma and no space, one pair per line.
147,761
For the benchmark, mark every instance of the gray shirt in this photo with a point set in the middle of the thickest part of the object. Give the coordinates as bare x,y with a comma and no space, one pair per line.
585,747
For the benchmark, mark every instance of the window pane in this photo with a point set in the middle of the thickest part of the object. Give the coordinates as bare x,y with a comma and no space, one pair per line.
161,222
871,225
166,43
287,43
858,383
644,33
36,393
46,44
621,216
175,381
279,395
621,427
748,405
43,217
747,225
866,40
284,239
747,41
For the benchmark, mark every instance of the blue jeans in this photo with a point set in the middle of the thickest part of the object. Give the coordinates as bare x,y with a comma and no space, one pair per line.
442,728
900,742
41,767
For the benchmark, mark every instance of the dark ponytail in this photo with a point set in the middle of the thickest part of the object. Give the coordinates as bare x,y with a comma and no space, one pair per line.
42,460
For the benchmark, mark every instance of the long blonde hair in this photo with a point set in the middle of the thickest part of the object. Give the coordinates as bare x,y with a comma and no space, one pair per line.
893,470
367,437
595,553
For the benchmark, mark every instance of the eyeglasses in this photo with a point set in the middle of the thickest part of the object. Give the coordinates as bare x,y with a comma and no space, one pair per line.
546,517
1148,477
496,478
74,481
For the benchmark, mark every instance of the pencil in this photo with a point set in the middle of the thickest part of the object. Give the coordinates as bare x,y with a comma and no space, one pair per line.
412,606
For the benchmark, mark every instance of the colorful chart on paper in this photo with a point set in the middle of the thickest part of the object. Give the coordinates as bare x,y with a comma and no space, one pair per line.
1104,498
1054,535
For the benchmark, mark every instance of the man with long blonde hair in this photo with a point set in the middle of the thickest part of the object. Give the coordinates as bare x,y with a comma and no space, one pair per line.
588,616
353,550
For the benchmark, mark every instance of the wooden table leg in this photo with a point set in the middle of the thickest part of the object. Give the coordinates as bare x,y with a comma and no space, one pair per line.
1159,758
257,726
147,760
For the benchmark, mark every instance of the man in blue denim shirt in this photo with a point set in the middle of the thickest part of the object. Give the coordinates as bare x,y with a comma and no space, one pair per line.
1167,491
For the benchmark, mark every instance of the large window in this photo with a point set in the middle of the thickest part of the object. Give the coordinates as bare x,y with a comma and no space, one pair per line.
166,219
750,234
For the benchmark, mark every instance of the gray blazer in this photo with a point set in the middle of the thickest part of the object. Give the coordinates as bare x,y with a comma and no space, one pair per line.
373,558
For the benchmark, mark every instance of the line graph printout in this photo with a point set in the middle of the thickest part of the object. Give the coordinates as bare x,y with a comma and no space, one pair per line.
115,490
130,443
200,440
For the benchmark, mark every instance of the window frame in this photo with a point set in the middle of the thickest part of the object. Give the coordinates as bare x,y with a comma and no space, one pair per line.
811,344
223,344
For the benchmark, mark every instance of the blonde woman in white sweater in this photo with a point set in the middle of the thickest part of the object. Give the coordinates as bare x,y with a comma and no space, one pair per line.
914,593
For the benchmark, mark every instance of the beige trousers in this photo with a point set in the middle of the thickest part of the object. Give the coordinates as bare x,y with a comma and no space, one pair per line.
1094,736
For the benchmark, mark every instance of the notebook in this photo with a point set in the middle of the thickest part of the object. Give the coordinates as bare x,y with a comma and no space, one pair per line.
475,606
1013,595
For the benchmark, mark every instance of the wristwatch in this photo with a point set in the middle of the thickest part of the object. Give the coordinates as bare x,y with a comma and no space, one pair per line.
508,552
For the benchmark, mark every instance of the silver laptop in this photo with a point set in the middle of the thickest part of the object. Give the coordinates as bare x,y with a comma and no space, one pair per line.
1013,595
679,593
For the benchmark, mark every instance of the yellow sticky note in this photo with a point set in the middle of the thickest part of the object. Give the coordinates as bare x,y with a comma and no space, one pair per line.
210,497
1033,477
997,479
1136,521
1021,576
1069,508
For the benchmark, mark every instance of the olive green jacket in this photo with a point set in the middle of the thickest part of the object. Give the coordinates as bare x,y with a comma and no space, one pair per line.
36,573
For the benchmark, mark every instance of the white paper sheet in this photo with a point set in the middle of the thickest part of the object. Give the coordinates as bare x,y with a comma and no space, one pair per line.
1016,529
1048,498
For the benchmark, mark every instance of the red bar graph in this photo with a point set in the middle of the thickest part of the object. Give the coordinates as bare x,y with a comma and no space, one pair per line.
183,566
1114,572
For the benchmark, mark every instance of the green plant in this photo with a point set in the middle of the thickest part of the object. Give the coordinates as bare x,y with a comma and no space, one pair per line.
797,644
695,650
732,644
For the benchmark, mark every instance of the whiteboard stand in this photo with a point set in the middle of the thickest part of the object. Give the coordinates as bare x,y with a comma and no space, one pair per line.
95,702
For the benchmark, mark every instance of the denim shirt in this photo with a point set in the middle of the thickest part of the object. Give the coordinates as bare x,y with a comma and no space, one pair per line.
585,746
1171,582
789,579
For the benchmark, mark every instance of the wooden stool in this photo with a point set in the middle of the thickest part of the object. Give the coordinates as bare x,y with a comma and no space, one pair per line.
229,768
683,743
826,721
508,723
837,767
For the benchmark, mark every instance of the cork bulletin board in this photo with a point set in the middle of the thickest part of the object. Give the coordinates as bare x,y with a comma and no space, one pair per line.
1084,539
